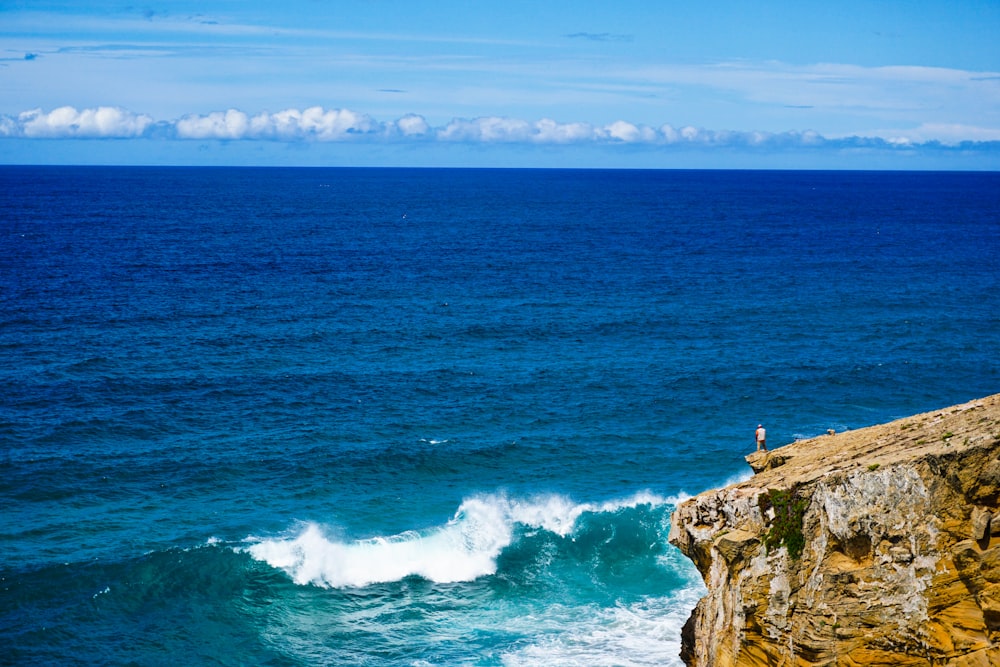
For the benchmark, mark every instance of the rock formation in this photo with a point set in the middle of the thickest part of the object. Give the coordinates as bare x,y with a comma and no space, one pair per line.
875,547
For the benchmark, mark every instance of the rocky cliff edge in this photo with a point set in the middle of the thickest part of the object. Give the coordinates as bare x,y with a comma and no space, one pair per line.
874,547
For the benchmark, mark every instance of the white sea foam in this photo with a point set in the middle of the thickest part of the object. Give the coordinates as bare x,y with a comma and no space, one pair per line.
460,551
463,549
641,634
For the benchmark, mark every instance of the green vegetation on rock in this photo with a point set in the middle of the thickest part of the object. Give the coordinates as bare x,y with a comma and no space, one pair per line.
786,527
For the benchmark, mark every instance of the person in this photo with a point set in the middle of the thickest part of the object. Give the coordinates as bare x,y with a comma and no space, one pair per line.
761,436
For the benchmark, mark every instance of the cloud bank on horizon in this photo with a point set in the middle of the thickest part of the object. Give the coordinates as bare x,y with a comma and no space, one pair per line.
343,125
632,79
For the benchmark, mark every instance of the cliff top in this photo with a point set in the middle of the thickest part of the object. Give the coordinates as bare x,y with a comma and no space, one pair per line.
947,431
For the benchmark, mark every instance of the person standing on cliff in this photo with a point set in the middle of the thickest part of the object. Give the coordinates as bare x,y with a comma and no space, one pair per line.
761,436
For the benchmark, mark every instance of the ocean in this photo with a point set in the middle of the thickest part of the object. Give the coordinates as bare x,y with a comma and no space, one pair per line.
390,417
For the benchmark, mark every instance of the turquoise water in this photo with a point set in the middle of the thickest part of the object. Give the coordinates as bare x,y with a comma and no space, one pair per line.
437,417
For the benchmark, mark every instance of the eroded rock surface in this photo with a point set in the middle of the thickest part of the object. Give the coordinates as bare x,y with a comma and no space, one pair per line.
875,547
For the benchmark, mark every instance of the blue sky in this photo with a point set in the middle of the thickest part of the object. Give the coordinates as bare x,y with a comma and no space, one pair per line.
717,84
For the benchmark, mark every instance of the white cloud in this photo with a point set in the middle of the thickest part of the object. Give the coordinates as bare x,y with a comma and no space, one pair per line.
490,129
231,124
630,134
691,134
696,136
548,131
332,125
102,123
9,127
290,124
494,129
321,124
413,125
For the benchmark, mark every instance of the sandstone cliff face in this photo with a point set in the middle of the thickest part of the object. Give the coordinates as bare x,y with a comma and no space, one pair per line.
874,547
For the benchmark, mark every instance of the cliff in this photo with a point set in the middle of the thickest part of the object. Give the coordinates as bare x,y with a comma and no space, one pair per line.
879,546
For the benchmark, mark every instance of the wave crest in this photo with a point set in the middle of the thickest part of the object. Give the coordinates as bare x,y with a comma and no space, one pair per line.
463,549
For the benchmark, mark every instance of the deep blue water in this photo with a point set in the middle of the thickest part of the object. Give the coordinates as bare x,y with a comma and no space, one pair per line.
437,417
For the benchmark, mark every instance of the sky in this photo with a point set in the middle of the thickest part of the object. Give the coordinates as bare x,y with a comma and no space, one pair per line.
891,84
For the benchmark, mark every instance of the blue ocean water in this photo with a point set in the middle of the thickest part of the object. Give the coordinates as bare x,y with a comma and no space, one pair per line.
437,417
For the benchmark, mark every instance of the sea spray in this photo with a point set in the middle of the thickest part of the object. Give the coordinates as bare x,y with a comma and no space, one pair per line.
642,633
463,549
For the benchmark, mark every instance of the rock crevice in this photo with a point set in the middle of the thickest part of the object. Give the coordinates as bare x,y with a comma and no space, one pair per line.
873,547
